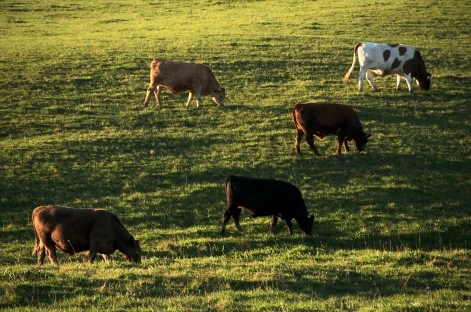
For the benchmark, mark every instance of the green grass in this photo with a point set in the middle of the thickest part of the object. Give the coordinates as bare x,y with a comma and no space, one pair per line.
392,227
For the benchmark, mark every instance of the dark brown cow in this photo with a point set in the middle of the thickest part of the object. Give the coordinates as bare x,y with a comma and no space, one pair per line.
266,197
73,230
321,119
179,77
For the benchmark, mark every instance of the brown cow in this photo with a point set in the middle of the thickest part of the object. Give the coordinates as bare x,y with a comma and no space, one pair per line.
321,119
74,230
179,77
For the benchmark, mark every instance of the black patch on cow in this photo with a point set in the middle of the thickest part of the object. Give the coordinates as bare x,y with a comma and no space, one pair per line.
395,64
402,51
386,55
393,45
408,66
415,65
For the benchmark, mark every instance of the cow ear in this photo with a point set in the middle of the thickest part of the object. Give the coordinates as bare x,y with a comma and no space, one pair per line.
131,240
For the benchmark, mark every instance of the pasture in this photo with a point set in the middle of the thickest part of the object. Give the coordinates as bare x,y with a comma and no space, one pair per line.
392,228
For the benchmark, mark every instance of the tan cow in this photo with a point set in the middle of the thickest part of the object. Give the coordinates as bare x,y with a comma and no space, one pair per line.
73,230
180,77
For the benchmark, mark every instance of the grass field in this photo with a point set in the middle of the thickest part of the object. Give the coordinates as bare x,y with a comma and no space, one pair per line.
393,224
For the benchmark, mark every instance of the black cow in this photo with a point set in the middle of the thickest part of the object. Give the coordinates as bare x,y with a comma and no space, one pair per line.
265,197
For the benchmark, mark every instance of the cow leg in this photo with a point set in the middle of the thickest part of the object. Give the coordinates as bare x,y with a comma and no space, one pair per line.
198,95
340,142
361,77
236,217
310,141
273,224
290,228
106,257
41,254
49,248
408,79
370,78
299,136
345,143
235,214
225,220
190,97
398,82
150,90
51,253
157,93
230,212
93,253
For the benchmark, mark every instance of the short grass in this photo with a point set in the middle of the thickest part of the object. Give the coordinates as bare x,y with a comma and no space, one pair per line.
392,227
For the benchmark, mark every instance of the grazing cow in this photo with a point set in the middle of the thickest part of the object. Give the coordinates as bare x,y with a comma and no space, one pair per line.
384,59
321,119
265,197
179,77
74,230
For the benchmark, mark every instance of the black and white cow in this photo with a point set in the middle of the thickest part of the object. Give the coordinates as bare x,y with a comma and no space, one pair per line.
266,197
384,59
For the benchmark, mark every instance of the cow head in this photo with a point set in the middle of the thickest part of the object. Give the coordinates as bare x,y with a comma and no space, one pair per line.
305,224
218,96
424,81
132,252
361,140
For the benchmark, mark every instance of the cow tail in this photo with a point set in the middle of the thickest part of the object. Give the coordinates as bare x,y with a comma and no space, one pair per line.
228,179
293,113
347,75
36,246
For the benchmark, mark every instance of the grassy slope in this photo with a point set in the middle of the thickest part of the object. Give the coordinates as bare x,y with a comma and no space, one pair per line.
392,227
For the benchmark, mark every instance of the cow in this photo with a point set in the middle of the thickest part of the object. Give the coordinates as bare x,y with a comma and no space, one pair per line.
266,197
73,230
180,77
384,59
321,119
